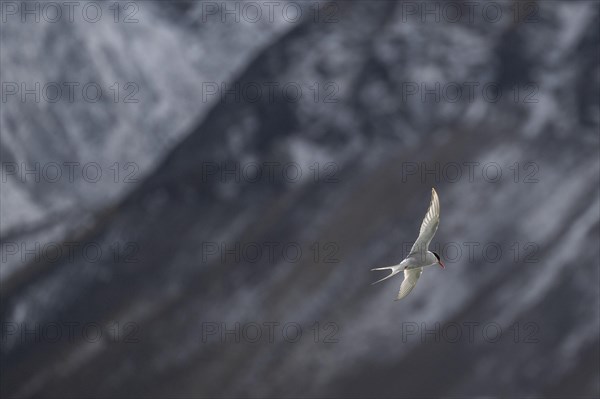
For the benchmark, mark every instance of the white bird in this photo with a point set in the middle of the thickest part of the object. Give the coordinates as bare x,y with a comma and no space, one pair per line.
419,256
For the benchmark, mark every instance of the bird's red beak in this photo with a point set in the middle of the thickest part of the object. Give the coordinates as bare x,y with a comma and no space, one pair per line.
441,264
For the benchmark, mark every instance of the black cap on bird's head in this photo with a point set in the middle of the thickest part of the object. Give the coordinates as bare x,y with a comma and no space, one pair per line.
439,259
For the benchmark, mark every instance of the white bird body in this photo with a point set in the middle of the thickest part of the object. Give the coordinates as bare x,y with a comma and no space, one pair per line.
419,256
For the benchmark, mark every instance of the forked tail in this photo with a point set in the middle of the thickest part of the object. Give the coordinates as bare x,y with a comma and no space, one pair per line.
395,270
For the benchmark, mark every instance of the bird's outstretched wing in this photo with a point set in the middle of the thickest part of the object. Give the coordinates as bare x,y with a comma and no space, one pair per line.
428,227
410,280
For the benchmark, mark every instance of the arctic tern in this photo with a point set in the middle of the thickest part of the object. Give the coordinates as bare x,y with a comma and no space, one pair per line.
419,256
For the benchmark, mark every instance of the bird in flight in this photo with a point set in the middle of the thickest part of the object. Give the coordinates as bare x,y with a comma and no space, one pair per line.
419,256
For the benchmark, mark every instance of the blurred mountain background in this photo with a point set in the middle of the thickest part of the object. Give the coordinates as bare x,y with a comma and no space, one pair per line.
356,135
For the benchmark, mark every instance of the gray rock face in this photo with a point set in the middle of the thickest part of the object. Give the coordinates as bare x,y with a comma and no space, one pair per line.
109,97
216,280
